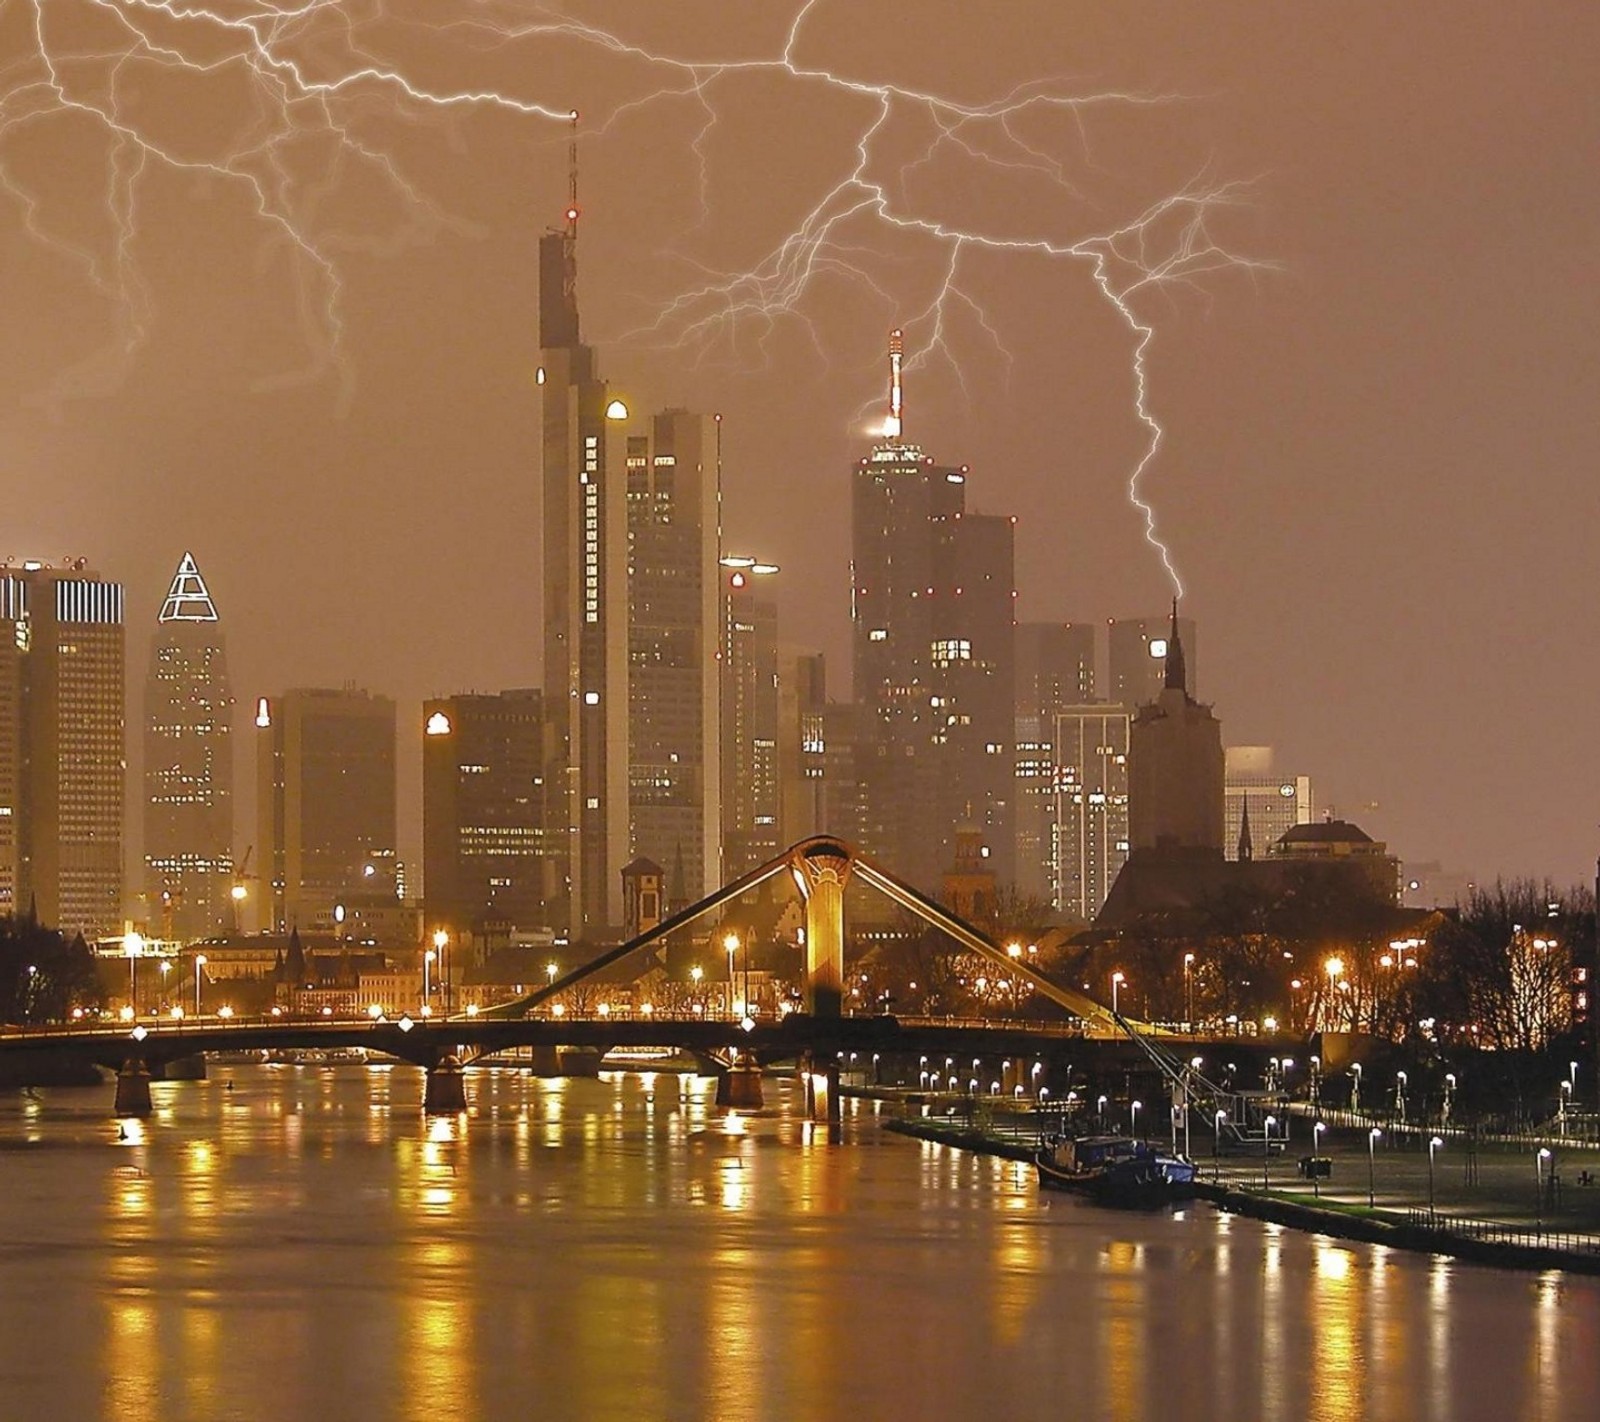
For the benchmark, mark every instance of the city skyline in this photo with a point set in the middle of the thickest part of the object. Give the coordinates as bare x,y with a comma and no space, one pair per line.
1385,436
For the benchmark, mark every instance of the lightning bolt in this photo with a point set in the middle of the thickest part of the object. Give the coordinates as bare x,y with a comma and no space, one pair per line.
318,95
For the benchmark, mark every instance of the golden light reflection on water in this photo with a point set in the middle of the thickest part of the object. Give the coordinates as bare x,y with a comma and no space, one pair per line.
1336,1329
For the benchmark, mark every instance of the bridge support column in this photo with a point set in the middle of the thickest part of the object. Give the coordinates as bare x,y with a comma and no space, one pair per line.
546,1061
822,871
740,1086
446,1091
133,1089
821,1084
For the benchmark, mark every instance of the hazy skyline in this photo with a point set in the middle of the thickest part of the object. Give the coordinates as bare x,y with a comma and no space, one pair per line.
1377,479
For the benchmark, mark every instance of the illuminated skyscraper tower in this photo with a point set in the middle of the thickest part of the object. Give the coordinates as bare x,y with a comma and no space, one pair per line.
752,791
932,590
61,748
585,536
188,763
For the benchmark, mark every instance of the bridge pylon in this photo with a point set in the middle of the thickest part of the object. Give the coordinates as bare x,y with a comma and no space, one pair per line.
821,869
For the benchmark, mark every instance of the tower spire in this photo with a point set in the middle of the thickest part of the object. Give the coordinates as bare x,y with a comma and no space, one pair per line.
894,427
1247,849
1177,673
188,599
570,245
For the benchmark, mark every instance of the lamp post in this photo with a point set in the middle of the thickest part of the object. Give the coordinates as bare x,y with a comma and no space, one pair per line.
1372,1167
1434,1142
1188,988
133,946
166,968
1400,1080
1117,981
238,893
1355,1086
1539,1157
730,944
427,970
1266,1151
1133,1117
1316,1140
1449,1096
1316,1080
1216,1144
1566,1094
441,940
1100,1110
199,963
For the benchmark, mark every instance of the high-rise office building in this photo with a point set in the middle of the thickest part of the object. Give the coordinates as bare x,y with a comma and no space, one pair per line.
487,867
1089,842
1175,766
188,763
675,627
1275,802
585,534
931,609
1137,658
751,775
61,747
1055,669
325,803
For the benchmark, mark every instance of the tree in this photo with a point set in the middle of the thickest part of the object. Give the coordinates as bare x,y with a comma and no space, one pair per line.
43,976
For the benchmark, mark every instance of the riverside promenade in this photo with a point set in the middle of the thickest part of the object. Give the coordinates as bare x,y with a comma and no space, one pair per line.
1493,1201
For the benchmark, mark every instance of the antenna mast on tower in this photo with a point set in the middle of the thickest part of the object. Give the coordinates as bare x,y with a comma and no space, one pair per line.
571,243
895,425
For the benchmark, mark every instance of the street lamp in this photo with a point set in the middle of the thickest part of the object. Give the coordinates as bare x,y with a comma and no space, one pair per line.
1355,1086
1188,987
1372,1166
199,963
1100,1109
133,946
1434,1142
440,940
1539,1158
1216,1144
1117,981
1316,1140
427,967
1566,1093
1266,1151
1400,1080
1133,1117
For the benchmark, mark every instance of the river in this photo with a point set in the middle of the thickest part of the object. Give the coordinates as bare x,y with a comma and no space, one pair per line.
303,1244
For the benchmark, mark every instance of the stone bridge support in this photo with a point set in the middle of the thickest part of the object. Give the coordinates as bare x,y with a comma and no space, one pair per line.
133,1089
446,1091
822,870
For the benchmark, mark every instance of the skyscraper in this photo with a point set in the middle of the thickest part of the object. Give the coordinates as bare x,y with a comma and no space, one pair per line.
1137,658
486,863
931,609
1090,831
61,747
1055,669
675,629
188,762
1276,802
585,532
325,801
751,774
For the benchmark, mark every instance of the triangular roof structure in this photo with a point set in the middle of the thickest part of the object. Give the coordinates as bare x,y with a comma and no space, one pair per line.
188,599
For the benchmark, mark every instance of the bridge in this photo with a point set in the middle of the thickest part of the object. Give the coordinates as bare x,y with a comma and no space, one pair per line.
819,1038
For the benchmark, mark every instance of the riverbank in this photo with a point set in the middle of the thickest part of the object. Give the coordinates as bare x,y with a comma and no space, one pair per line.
1497,1243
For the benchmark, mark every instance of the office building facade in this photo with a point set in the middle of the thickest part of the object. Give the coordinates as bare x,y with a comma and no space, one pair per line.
188,764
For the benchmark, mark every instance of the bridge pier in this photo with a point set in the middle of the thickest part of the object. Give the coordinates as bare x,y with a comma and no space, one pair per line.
133,1089
740,1085
446,1091
821,1083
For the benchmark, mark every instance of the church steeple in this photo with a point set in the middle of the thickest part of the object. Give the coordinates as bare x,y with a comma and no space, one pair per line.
1247,850
1177,674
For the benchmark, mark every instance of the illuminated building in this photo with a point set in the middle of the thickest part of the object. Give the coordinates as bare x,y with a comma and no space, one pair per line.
325,803
1089,842
932,620
751,776
1137,658
61,747
1276,803
487,869
584,533
674,631
1055,664
188,763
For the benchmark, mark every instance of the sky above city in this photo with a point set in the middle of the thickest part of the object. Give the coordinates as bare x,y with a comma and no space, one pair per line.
271,296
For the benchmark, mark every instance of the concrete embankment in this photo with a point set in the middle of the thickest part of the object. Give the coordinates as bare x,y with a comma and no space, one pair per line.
1360,1225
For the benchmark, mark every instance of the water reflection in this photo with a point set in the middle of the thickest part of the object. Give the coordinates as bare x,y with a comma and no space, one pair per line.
625,1248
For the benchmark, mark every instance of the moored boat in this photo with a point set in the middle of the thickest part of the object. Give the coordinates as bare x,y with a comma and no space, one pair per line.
1116,1170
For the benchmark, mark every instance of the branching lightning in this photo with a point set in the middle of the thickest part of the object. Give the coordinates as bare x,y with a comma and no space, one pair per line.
297,94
